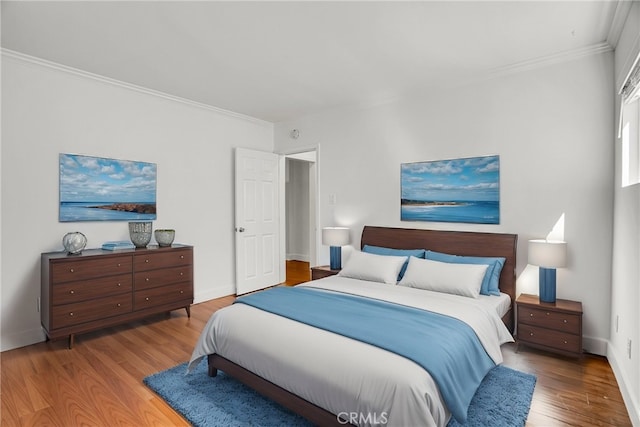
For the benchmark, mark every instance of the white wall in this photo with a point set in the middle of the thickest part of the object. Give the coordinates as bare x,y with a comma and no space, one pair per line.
553,130
47,111
625,291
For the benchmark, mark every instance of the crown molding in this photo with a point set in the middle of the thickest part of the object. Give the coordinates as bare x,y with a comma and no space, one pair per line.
8,53
549,60
519,67
620,14
507,70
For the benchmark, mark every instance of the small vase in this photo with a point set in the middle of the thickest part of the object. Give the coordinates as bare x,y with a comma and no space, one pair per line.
140,233
165,237
74,242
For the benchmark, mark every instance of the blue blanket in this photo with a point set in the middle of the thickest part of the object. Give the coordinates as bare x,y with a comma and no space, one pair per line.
446,347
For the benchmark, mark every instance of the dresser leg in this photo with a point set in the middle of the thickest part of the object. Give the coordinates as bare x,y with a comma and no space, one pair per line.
188,308
71,338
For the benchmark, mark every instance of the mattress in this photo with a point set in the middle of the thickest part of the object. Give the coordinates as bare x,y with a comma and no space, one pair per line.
501,304
342,375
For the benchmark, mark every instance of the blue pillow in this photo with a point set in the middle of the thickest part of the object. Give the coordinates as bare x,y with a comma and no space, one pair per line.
378,250
491,277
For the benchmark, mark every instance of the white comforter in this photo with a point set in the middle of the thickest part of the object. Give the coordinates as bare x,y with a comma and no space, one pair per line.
344,376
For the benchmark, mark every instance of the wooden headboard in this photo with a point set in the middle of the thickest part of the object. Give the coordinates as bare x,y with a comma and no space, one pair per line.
454,242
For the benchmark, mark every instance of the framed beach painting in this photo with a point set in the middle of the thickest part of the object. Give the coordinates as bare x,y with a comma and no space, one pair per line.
102,189
458,190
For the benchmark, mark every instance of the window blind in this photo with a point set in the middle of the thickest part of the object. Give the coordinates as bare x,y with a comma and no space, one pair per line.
630,91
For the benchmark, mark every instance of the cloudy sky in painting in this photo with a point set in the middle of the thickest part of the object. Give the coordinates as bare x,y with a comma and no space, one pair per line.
95,179
470,179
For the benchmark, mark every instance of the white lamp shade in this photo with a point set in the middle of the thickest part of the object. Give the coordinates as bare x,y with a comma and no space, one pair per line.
548,253
335,236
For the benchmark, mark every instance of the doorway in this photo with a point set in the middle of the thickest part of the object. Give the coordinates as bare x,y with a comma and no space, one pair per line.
300,215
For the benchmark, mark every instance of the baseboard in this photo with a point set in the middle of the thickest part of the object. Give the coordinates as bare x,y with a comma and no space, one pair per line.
298,257
630,400
597,346
218,292
22,339
34,336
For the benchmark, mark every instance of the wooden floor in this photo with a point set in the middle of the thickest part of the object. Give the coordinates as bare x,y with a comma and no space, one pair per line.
297,272
99,382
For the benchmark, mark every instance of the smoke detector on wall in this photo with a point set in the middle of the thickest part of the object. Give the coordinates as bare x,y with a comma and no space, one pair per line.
294,134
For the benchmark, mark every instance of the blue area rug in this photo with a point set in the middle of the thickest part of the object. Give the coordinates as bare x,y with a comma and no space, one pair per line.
502,400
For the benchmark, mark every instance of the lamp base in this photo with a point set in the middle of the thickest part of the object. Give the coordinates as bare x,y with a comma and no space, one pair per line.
335,257
547,282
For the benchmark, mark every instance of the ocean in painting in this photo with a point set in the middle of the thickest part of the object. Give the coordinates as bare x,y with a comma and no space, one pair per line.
87,211
478,212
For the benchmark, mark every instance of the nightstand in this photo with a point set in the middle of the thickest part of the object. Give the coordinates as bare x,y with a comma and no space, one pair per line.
555,327
322,271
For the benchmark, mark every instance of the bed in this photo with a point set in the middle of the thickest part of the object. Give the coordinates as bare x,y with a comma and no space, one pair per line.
326,374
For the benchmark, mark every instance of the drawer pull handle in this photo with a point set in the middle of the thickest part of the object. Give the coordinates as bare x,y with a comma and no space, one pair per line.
547,313
565,342
71,270
531,315
147,279
530,334
119,265
565,320
71,314
146,260
119,284
182,292
71,292
146,299
118,304
181,273
181,256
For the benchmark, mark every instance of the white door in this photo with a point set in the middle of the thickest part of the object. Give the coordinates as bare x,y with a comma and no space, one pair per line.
257,220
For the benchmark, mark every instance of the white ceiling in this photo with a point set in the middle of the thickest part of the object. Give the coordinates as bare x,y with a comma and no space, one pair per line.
280,60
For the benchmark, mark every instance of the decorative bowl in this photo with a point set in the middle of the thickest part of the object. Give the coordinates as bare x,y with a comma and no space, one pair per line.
74,242
165,237
140,233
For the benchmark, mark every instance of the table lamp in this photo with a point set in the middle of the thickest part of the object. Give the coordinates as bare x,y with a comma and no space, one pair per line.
335,238
548,255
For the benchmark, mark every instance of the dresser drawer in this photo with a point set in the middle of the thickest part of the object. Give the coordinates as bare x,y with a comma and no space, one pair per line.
549,338
100,308
82,269
550,319
172,258
162,295
71,292
162,277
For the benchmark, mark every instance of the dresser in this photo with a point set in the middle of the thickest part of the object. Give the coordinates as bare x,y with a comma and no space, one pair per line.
555,327
99,288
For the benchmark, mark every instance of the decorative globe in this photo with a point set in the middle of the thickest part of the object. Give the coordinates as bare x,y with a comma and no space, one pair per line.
74,242
165,237
140,233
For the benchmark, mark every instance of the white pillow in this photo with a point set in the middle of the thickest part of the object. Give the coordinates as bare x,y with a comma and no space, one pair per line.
457,279
375,268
